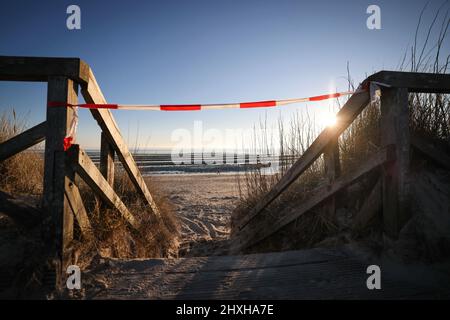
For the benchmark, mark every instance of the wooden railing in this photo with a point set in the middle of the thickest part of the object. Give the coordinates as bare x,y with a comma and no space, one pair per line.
394,158
62,201
61,197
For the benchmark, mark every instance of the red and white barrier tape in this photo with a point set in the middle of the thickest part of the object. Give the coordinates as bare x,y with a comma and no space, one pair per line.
69,139
196,107
72,132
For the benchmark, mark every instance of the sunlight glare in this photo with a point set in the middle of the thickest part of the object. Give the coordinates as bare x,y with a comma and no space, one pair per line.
328,119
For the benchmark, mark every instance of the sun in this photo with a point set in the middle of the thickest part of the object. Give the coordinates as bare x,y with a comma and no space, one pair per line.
327,119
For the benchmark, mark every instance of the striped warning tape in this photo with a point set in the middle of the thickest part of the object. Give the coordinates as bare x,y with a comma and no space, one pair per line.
69,139
196,107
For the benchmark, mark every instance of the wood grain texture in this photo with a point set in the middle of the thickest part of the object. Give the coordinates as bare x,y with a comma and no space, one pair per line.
23,141
414,81
396,182
60,218
369,210
332,168
319,273
93,94
345,117
15,68
76,204
255,234
87,170
107,159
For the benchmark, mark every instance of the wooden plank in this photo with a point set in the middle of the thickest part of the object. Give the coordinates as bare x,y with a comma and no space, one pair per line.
107,160
23,141
250,237
395,130
332,172
13,68
60,219
414,81
345,116
104,117
87,170
431,150
319,273
76,204
331,160
371,207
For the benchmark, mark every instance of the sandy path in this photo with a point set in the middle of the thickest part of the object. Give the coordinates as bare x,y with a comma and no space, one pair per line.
203,204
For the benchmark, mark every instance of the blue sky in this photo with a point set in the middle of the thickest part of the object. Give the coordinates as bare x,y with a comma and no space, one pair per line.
169,52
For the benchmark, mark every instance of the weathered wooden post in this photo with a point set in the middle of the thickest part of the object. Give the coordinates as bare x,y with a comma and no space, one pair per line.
395,180
332,171
107,159
57,176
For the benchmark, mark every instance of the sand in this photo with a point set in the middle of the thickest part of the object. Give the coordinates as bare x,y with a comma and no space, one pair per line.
203,203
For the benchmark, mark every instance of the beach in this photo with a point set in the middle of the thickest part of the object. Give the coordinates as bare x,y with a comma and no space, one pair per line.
203,204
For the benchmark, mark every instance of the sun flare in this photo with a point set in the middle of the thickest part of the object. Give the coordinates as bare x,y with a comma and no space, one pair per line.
328,119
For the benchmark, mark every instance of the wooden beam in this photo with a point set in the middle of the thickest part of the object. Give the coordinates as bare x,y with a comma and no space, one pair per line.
60,219
331,160
23,141
14,68
104,117
107,160
87,170
414,81
395,130
332,172
431,150
247,238
345,117
76,204
369,210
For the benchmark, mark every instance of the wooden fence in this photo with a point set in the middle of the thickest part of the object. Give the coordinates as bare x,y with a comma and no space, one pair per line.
61,197
394,158
62,201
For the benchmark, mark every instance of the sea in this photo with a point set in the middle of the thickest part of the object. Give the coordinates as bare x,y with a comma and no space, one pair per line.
162,162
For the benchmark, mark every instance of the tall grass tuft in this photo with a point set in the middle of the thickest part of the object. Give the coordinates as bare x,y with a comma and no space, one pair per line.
22,173
115,238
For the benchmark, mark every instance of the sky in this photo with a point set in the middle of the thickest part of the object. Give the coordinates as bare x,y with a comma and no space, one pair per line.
182,52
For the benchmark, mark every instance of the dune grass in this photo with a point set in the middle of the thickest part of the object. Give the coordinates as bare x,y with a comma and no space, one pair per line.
23,172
